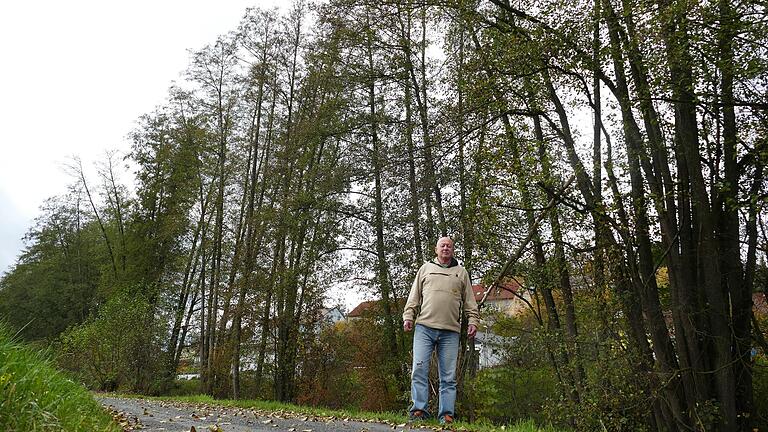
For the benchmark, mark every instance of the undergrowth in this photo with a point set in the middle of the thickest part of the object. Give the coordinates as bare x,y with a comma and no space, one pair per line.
34,396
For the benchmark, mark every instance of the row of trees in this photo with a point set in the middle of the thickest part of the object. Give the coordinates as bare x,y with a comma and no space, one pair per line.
609,154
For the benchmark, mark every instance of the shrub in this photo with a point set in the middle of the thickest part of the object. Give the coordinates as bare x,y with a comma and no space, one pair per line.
506,395
349,367
329,377
184,387
116,349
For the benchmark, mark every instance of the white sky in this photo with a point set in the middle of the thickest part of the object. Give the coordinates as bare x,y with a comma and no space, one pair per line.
75,75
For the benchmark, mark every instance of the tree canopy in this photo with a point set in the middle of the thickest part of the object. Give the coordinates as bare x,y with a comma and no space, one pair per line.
607,155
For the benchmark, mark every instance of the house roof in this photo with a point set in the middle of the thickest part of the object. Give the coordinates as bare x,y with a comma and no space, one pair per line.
759,304
362,308
505,291
326,311
368,307
333,314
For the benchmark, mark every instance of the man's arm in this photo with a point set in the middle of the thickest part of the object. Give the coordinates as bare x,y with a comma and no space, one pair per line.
413,303
470,307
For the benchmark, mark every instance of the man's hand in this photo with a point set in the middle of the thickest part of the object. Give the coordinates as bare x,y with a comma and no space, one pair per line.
471,331
407,325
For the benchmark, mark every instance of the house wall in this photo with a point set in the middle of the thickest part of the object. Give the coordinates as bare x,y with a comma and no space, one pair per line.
509,307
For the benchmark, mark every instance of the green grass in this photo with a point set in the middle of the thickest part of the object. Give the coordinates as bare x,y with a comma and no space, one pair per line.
34,396
387,417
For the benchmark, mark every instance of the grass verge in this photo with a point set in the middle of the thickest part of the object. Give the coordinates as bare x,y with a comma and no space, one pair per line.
34,396
395,419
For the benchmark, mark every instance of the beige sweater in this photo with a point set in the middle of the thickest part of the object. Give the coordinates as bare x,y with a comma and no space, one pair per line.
437,296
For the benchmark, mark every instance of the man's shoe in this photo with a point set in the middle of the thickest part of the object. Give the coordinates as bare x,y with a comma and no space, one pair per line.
447,419
417,415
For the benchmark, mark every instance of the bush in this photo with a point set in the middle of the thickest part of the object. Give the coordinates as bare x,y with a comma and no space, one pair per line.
116,349
329,377
36,397
508,395
349,367
183,387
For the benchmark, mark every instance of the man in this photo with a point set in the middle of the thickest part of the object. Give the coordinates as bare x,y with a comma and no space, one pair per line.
441,291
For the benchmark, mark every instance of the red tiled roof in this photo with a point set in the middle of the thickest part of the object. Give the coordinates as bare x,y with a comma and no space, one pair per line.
367,307
759,304
361,308
505,291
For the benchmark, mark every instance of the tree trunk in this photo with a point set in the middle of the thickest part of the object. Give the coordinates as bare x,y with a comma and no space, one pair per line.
674,32
382,268
412,182
735,283
561,268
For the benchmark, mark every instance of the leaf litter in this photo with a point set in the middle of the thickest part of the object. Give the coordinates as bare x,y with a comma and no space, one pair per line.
204,412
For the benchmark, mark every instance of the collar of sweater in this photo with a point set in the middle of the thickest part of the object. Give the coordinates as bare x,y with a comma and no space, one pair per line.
453,263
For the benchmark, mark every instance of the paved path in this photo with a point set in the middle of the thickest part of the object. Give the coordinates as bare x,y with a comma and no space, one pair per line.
153,415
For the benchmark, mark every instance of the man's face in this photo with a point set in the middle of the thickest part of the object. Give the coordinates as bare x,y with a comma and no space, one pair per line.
444,249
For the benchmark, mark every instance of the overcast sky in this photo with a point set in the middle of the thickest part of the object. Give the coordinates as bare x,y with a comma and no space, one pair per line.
75,76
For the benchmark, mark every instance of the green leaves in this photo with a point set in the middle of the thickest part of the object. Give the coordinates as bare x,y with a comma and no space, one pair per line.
34,396
109,350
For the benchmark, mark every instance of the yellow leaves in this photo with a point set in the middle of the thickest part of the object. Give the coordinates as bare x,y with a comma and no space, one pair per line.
123,421
5,379
662,277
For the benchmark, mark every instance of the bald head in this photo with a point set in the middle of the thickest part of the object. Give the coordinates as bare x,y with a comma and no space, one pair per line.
444,250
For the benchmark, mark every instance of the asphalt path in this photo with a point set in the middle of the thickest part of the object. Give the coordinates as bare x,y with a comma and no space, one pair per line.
153,415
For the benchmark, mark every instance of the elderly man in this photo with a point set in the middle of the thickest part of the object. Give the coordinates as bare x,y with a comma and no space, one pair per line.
441,291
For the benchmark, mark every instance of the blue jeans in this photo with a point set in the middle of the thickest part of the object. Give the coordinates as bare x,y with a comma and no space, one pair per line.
446,342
